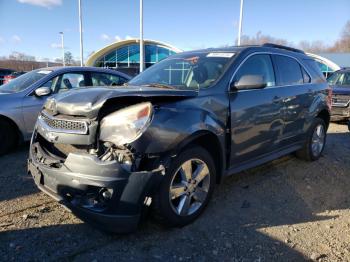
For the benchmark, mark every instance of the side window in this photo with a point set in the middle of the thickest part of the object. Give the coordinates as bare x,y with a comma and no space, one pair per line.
346,80
289,71
51,83
258,65
69,81
103,79
314,70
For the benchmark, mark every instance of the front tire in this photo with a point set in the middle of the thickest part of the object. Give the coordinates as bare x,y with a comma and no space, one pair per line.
186,188
315,143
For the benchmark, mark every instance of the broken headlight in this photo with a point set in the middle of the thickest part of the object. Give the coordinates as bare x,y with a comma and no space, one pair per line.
126,125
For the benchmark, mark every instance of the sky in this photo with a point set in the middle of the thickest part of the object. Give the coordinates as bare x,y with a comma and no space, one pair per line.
33,26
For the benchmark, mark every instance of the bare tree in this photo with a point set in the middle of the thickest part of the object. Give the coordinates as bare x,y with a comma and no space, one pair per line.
260,38
343,44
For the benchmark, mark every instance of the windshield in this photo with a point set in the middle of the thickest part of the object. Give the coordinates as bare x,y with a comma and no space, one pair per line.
188,71
340,78
22,82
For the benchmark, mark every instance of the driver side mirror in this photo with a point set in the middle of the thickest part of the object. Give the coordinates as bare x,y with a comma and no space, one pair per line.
249,82
42,91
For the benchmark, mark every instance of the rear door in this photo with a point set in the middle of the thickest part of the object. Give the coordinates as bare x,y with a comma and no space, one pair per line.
296,88
256,119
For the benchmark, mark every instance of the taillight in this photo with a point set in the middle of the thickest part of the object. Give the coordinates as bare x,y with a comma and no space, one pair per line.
8,79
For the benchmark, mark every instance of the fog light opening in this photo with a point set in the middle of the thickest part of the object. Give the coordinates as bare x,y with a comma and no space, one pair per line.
105,194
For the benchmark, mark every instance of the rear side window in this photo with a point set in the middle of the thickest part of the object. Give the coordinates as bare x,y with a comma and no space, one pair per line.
289,71
257,65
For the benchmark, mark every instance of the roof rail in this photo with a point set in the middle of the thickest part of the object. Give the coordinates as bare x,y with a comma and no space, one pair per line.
283,47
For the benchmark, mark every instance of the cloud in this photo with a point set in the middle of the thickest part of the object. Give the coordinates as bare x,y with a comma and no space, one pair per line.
16,39
56,46
108,38
129,37
105,37
42,3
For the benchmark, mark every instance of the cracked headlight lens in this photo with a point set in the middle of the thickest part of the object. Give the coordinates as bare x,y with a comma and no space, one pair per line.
126,125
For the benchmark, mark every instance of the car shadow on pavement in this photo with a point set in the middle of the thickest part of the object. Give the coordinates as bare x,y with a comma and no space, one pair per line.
15,182
257,215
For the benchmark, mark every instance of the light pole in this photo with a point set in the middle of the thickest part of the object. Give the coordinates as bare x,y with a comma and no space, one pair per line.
81,34
141,37
62,47
240,23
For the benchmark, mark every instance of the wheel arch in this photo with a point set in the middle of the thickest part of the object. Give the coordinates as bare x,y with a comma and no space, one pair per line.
325,116
210,142
14,126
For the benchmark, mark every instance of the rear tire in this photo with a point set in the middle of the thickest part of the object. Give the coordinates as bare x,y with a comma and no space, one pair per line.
315,142
7,137
186,188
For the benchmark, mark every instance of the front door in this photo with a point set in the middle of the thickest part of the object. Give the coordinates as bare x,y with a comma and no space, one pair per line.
256,117
32,104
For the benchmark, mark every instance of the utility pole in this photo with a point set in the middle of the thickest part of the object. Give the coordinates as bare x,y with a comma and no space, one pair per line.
141,38
62,47
240,23
81,34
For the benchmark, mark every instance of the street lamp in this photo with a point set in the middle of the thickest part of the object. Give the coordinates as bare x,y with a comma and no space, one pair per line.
62,47
141,37
240,23
81,34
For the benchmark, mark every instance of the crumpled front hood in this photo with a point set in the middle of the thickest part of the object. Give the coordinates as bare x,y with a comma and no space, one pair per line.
88,101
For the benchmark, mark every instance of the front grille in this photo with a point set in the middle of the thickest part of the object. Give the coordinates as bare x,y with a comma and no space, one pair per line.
64,125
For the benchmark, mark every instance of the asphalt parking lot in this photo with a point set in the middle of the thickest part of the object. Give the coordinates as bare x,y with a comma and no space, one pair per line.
287,210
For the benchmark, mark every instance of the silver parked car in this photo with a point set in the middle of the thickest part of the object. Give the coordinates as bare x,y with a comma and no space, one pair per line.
22,98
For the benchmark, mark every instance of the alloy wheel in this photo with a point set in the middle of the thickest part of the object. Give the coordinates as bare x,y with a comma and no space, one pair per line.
318,140
189,187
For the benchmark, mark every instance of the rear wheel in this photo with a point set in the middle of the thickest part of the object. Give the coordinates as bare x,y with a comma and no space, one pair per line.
7,137
316,141
186,188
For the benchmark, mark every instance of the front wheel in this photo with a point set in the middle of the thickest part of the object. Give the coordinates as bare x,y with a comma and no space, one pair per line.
316,141
186,187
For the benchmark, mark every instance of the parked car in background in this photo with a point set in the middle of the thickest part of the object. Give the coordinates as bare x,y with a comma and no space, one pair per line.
340,83
176,130
22,98
4,72
12,76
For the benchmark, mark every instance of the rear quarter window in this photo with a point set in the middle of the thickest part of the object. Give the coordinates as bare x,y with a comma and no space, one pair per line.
314,70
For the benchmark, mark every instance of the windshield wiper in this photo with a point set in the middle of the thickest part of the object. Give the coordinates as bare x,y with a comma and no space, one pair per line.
159,85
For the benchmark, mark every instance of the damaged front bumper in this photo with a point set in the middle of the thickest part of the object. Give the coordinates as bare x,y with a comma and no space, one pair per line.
99,192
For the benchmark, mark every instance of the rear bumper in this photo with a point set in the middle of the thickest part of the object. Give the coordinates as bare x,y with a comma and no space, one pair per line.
80,182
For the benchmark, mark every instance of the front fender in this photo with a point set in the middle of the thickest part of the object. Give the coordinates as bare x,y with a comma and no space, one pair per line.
173,127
